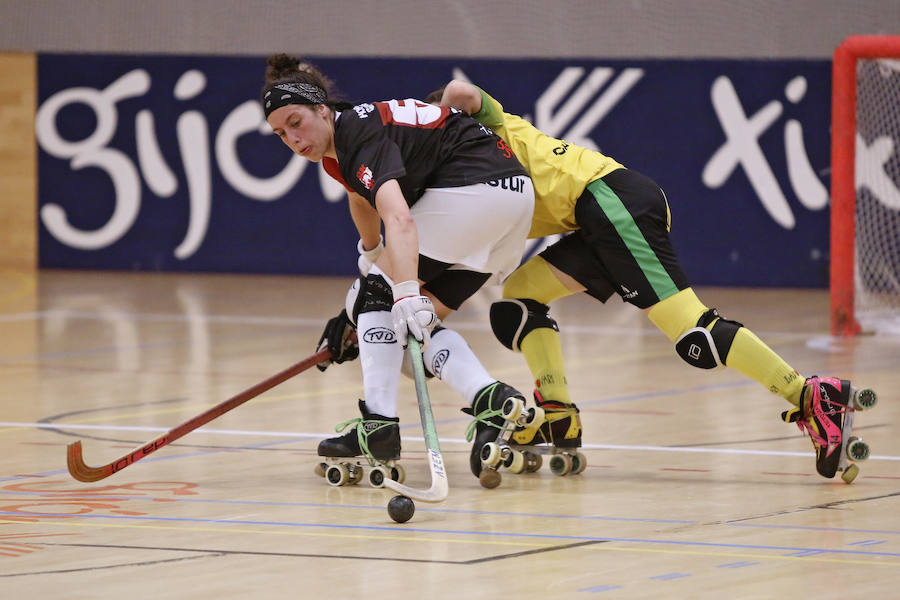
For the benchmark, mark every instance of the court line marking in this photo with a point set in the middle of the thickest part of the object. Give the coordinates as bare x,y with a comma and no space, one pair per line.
443,440
73,521
204,553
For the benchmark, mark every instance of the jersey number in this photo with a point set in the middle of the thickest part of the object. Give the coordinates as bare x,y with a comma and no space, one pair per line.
412,113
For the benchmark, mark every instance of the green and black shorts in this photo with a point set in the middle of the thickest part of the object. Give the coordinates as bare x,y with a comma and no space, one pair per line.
623,243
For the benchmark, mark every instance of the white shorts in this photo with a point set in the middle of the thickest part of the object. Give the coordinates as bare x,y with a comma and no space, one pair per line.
480,227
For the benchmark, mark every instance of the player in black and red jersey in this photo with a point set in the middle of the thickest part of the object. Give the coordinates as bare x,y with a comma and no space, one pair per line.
456,207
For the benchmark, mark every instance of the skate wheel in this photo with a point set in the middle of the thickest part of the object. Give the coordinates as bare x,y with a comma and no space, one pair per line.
356,474
516,462
864,399
489,478
857,449
398,474
850,474
560,464
490,454
533,462
377,476
511,409
579,463
536,417
320,469
337,475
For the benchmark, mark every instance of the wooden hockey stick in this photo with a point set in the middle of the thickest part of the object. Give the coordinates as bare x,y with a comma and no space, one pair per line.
439,488
83,472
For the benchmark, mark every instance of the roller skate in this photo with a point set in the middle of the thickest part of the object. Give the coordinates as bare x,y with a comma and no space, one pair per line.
373,444
559,435
498,410
826,410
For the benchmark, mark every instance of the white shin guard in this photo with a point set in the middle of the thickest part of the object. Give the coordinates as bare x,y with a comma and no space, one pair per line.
450,359
380,356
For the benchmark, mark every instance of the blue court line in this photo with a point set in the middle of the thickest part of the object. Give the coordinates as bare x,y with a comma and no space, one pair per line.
601,588
810,528
497,534
671,576
737,565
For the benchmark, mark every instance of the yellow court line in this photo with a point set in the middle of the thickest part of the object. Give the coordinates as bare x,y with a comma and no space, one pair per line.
299,533
842,561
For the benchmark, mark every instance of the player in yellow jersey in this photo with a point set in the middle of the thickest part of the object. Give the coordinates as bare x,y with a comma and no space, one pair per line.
619,243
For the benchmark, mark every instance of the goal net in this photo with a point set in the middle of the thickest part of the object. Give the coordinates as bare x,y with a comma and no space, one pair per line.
865,186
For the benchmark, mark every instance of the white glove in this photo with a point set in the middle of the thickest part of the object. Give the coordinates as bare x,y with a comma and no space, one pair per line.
367,258
413,314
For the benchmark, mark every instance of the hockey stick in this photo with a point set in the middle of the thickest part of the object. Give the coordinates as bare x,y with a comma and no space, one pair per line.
439,488
83,472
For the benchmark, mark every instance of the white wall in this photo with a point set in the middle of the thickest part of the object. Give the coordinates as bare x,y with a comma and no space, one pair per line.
472,28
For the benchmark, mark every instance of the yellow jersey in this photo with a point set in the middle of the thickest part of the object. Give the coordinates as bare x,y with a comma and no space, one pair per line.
559,170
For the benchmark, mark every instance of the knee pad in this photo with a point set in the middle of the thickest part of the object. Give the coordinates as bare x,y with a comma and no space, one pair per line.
368,294
512,320
707,347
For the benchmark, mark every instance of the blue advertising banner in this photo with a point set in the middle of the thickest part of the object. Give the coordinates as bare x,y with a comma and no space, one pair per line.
166,163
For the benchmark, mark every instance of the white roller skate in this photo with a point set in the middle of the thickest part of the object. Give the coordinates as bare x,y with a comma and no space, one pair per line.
373,444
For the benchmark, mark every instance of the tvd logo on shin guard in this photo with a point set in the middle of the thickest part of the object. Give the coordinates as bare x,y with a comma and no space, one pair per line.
380,335
438,362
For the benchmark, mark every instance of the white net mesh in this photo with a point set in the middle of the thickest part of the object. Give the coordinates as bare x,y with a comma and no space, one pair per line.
877,247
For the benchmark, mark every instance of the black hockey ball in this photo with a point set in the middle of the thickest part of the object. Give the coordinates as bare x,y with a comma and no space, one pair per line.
401,509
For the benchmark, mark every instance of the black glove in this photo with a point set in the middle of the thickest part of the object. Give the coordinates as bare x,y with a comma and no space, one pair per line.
337,337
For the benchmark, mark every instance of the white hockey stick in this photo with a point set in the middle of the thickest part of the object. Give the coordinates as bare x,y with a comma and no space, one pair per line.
439,488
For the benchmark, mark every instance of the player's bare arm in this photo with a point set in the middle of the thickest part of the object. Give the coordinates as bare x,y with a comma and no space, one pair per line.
366,219
401,235
463,96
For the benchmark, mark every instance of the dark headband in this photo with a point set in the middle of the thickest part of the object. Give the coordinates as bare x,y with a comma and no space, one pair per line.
281,94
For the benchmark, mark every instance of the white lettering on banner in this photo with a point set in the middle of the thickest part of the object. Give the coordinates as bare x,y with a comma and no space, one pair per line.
192,132
554,124
92,152
742,148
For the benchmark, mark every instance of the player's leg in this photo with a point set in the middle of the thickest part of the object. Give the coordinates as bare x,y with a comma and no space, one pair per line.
521,321
377,432
462,246
705,339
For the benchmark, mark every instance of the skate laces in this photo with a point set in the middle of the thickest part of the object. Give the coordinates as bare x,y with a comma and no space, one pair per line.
821,415
485,415
363,436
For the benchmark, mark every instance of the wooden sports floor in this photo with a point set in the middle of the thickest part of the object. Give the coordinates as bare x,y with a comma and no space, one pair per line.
694,487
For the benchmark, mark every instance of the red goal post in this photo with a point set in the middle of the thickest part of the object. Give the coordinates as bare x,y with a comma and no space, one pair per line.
845,275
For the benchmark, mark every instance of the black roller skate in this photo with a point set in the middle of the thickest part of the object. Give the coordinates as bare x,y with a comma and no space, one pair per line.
498,410
827,405
373,442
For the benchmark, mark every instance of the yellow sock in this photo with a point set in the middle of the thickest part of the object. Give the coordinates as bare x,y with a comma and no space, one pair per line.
748,354
543,353
535,281
753,358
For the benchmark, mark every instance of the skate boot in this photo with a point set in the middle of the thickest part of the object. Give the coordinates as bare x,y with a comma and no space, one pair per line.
373,442
498,410
559,436
826,410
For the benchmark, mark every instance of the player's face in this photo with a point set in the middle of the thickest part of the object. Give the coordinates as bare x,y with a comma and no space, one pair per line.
307,130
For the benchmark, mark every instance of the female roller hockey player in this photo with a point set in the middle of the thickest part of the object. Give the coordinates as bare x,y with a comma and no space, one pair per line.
456,207
619,243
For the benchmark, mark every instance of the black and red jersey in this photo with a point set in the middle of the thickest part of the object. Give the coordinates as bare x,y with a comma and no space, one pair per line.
420,145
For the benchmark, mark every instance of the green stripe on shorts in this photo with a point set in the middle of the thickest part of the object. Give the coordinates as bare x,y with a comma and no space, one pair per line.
634,240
